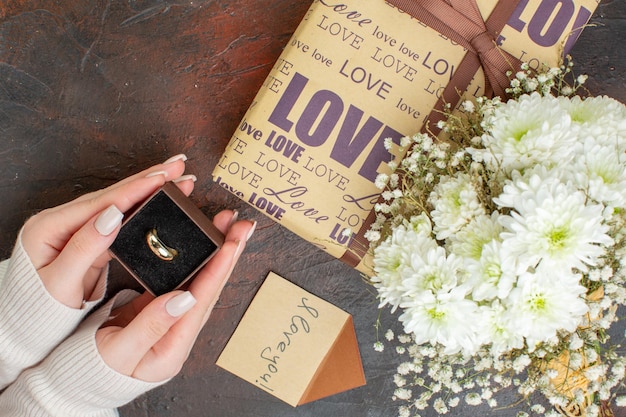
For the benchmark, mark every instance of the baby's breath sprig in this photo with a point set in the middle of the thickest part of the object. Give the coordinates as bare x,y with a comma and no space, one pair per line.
558,81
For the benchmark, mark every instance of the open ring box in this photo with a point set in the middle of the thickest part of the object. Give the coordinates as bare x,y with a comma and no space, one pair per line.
165,241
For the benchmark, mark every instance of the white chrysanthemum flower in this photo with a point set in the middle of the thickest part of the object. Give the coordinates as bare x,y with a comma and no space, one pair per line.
493,275
597,115
519,190
391,257
420,224
499,329
433,271
552,223
455,203
600,169
544,302
448,319
529,131
469,241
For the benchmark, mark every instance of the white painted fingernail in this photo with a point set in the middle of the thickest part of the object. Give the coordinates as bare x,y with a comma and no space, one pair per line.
157,173
234,218
108,220
180,304
238,251
186,178
179,157
235,256
234,260
251,231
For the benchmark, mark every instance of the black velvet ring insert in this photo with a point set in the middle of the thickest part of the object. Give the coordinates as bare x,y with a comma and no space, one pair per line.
179,225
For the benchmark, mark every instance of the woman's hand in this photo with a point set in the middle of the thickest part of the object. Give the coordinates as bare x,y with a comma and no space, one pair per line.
150,339
68,244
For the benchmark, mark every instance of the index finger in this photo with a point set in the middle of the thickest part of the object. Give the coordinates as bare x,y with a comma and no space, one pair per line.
171,169
51,229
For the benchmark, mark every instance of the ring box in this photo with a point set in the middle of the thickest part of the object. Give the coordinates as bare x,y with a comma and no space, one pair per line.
178,227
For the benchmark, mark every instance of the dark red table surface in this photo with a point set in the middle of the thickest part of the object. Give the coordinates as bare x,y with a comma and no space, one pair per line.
92,91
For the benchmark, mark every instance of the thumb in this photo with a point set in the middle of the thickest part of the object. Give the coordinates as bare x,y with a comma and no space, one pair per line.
124,348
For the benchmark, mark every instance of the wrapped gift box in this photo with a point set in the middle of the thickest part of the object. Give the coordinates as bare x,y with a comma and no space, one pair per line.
309,148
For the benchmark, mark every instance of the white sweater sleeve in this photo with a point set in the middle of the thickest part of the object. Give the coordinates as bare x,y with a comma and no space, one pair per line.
32,322
74,381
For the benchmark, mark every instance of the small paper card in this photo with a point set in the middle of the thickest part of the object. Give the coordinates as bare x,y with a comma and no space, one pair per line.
294,345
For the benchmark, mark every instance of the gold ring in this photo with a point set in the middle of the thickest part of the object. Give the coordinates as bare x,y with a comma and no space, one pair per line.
160,249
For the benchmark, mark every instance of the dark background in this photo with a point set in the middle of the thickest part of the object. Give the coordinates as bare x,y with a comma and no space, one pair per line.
92,91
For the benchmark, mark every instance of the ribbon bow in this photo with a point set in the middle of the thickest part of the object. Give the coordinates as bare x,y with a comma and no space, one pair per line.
461,21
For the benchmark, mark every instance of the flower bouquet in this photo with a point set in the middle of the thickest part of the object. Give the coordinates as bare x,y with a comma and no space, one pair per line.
503,248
